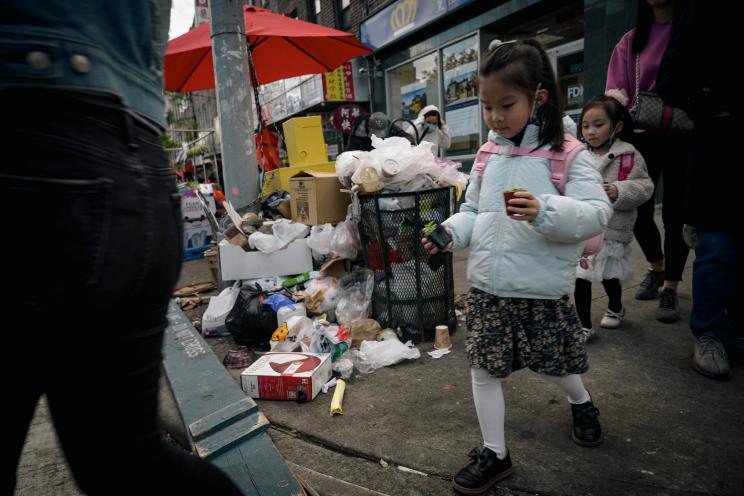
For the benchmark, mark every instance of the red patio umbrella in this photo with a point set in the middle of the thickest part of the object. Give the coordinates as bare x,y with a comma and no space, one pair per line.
281,47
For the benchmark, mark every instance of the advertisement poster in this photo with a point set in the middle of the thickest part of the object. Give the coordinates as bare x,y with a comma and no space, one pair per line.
412,99
460,83
462,118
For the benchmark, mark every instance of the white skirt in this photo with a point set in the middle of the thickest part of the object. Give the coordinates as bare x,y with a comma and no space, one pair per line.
611,262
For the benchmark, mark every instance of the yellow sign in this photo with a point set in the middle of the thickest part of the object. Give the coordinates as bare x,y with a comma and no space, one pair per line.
403,14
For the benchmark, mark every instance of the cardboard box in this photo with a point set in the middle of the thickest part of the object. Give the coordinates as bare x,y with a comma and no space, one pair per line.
196,233
191,207
281,376
317,198
278,179
236,263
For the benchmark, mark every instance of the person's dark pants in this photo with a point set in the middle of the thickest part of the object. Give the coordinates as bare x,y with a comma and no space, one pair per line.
93,236
665,157
583,298
718,256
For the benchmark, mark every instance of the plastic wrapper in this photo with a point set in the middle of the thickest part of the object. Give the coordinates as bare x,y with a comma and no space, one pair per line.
345,242
344,366
355,299
321,296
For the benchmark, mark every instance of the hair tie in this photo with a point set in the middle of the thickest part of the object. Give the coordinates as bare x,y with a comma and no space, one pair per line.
496,43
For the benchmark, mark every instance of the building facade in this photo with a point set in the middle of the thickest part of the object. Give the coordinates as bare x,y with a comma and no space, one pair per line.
427,51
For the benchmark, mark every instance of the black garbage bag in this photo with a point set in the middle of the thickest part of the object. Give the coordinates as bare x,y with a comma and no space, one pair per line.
250,322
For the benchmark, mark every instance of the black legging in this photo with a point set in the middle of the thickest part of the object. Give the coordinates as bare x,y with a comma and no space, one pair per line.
583,298
670,156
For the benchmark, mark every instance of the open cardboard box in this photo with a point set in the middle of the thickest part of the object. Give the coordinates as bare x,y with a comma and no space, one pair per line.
236,263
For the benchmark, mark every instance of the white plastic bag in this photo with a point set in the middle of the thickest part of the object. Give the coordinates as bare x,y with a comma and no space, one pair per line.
213,320
373,355
287,231
320,241
345,242
265,243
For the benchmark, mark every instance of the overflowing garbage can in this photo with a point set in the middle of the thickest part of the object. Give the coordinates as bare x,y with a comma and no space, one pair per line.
413,291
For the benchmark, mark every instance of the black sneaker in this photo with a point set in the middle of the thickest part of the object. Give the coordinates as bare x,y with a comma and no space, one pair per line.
586,429
484,470
649,288
668,310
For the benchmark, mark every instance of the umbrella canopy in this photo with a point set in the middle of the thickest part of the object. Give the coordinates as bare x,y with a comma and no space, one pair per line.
281,47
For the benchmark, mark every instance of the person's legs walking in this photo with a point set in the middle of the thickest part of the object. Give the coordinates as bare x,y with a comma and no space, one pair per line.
615,311
586,428
645,230
492,463
714,289
119,238
583,303
675,248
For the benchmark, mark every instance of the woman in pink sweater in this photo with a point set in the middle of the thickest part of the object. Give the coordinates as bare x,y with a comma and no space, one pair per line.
633,68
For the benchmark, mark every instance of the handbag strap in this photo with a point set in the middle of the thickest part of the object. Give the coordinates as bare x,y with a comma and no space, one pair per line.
637,80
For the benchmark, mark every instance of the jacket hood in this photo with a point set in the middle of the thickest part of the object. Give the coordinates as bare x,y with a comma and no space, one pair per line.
424,111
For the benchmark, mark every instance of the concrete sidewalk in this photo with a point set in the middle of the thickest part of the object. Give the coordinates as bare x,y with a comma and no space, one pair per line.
406,429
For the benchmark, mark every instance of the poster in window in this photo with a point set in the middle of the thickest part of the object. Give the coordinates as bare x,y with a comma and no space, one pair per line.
412,99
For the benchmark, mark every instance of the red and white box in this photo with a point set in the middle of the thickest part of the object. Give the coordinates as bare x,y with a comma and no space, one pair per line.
287,376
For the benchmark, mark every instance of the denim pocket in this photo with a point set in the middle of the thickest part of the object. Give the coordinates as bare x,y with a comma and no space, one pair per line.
62,235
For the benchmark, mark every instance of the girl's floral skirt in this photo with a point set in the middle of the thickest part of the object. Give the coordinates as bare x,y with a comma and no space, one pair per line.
508,334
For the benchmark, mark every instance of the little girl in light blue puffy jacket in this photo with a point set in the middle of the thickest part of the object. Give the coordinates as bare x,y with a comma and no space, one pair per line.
523,255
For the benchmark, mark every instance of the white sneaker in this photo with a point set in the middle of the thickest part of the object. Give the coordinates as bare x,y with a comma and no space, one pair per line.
589,334
612,320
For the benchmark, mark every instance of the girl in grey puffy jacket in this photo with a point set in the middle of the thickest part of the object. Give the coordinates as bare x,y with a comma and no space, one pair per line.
523,255
627,183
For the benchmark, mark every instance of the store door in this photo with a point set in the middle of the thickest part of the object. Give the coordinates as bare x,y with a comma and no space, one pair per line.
568,63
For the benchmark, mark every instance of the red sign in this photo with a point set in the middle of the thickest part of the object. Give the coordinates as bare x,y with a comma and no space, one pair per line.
343,117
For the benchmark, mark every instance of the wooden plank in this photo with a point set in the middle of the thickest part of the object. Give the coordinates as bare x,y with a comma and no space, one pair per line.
224,425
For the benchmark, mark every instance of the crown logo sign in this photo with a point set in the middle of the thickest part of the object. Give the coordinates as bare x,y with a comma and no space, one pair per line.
403,14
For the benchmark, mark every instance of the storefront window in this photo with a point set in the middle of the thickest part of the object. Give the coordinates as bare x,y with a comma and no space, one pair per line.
413,86
461,110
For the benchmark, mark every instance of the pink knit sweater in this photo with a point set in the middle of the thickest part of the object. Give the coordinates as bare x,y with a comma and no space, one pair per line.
621,73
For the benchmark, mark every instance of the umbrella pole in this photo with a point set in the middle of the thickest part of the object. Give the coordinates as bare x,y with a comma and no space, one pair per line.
239,165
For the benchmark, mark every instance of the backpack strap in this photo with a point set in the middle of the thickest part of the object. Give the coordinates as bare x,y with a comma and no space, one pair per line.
559,160
560,163
627,161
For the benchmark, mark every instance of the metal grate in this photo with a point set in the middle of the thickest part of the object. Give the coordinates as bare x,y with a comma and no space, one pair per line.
413,291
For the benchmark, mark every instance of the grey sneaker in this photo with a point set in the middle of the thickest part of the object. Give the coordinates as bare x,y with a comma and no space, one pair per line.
668,310
710,358
649,288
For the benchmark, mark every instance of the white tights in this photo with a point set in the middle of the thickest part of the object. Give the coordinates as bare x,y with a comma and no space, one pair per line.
489,404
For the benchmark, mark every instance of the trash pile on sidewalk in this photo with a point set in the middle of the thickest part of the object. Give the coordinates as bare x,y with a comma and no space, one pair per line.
302,290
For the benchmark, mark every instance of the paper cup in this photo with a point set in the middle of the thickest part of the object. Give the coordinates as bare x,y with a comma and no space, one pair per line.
442,338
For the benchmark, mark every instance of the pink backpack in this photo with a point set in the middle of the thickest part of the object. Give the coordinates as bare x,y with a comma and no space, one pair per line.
559,164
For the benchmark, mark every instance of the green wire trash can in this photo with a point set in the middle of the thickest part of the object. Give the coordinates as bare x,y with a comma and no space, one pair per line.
413,291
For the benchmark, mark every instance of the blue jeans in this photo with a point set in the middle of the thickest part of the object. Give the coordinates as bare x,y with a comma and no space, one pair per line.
93,236
716,286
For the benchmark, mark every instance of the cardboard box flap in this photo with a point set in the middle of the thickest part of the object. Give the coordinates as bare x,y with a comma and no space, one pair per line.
312,173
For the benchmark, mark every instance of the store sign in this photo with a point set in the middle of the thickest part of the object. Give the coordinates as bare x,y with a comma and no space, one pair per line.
201,11
403,17
338,85
343,117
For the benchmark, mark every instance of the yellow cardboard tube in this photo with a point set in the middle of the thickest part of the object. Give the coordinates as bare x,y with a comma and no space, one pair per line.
338,398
